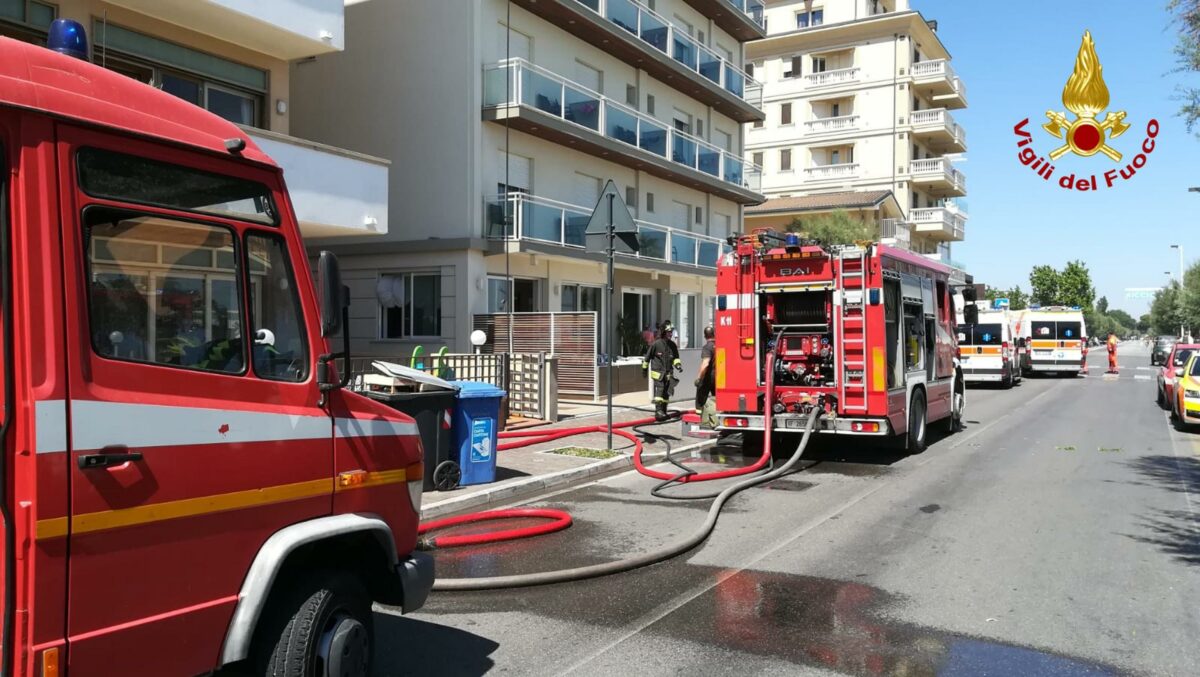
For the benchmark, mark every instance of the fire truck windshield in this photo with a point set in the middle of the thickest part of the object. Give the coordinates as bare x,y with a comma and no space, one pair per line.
128,178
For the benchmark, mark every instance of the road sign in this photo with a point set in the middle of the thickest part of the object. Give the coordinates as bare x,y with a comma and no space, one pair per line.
610,212
1000,304
1141,292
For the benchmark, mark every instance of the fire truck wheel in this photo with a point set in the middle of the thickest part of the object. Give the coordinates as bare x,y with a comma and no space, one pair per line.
916,424
323,629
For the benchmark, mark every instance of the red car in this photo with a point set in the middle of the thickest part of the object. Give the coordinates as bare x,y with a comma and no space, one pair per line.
1166,373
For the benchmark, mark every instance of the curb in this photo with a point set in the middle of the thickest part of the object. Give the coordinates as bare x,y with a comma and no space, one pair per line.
537,485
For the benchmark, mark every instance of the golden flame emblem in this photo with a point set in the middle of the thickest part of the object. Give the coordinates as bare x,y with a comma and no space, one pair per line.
1086,95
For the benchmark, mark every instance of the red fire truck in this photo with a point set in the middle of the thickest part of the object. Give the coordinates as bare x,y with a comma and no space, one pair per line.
184,482
864,332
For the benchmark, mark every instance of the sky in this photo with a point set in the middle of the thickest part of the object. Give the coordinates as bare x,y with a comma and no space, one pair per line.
1015,57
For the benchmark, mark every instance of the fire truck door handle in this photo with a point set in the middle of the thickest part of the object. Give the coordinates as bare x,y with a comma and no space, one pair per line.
109,456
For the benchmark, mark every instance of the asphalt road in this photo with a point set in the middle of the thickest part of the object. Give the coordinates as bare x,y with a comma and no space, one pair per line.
1059,534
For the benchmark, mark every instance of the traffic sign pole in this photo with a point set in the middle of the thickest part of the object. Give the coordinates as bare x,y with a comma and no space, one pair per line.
612,236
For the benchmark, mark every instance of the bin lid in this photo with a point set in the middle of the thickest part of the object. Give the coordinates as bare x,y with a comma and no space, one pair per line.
472,389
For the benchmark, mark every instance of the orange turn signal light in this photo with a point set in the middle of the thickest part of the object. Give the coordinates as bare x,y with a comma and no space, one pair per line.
353,478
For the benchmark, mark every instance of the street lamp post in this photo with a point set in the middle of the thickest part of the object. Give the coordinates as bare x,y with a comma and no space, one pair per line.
1180,248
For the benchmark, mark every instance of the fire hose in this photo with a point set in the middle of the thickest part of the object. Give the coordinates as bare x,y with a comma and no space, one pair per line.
660,554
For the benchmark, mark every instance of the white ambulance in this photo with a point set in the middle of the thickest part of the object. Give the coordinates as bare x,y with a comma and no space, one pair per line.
988,348
1057,339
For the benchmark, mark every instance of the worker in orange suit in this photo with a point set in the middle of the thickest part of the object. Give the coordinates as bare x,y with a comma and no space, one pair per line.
1112,353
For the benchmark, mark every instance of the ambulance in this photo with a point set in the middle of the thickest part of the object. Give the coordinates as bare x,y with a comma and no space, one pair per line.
1057,339
988,349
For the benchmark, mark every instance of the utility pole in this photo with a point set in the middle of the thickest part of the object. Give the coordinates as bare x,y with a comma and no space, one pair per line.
1181,290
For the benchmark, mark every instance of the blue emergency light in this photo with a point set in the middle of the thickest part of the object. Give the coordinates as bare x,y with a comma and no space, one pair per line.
792,241
66,36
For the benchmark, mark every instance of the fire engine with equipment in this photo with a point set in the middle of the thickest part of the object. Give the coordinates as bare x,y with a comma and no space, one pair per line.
185,482
863,333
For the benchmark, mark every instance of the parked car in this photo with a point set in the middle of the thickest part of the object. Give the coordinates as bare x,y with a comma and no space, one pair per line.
1166,374
1185,406
1162,348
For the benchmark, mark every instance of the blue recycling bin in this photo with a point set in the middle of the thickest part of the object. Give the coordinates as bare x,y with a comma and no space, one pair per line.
476,424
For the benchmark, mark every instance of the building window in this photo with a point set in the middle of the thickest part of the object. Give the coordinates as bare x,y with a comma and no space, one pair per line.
229,89
631,197
683,317
806,19
749,69
650,104
26,20
631,95
785,114
410,305
818,64
699,214
758,124
650,202
785,160
582,298
757,158
794,67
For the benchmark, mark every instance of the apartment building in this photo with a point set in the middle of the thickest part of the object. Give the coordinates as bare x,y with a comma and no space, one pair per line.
232,57
859,96
504,120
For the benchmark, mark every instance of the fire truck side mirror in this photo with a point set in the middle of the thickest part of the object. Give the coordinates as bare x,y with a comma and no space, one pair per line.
968,294
333,293
971,314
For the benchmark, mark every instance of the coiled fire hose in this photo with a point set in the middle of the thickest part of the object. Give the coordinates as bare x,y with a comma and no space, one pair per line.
669,551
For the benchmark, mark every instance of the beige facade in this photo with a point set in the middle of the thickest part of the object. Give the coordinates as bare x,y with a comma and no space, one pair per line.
491,110
233,58
860,96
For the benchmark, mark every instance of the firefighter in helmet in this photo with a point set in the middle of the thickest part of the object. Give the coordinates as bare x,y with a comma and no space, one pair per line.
662,359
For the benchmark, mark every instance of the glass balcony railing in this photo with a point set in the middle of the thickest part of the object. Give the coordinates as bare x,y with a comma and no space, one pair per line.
664,36
545,220
520,83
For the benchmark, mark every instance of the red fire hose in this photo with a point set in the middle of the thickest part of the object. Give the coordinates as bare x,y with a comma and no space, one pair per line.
562,519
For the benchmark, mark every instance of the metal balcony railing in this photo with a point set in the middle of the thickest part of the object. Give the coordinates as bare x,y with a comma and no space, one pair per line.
755,9
896,232
658,32
516,82
561,223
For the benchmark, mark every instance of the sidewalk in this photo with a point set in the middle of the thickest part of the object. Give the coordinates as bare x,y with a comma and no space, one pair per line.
531,470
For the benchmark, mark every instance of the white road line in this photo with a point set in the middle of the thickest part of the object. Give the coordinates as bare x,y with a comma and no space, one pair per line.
1141,377
1147,368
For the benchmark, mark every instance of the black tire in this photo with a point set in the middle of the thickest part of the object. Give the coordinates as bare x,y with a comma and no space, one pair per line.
446,476
918,428
319,629
958,404
1162,399
1009,381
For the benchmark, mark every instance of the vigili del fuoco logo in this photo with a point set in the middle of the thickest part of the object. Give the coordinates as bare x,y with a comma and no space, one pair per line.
1086,97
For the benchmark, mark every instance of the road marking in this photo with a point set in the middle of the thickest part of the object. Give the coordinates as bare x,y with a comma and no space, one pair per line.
1141,377
1147,368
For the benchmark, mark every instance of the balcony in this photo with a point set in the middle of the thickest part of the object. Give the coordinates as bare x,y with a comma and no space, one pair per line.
939,130
542,220
895,232
939,223
285,29
843,123
539,102
937,80
743,19
633,33
937,176
847,170
335,192
841,76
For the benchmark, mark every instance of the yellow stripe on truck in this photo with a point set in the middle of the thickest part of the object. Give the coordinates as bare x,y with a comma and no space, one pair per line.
720,368
878,376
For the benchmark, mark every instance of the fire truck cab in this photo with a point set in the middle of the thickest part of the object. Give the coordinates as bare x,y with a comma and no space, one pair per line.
864,332
184,483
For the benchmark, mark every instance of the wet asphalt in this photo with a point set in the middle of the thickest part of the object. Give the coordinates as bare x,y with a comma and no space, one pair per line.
1058,534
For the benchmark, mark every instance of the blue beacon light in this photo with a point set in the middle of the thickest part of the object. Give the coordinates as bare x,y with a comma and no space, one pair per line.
66,36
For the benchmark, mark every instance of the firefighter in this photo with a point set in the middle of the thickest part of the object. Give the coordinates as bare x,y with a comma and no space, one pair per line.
705,379
1112,353
661,357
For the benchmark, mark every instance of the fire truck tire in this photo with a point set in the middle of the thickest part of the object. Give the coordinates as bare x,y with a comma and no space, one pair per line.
917,424
323,628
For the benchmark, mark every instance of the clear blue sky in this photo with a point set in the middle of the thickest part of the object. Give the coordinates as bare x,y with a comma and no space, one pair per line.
1015,58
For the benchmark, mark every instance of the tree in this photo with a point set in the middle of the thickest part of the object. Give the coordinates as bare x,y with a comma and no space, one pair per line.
833,229
1189,300
1017,299
1102,305
1044,282
1075,286
1143,323
1122,318
1187,54
1165,317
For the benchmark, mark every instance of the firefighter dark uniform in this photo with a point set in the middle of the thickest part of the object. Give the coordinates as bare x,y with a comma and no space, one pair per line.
662,359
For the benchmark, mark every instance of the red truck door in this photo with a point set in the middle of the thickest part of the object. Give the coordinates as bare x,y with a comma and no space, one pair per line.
194,426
